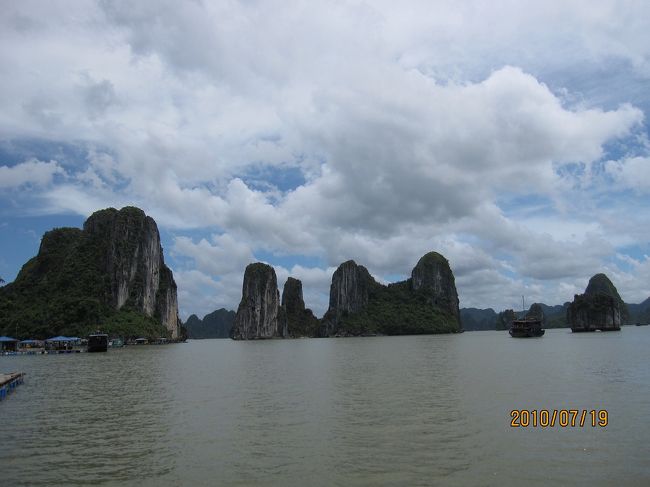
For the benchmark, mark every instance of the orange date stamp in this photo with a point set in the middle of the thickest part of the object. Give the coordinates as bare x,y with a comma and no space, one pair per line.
564,418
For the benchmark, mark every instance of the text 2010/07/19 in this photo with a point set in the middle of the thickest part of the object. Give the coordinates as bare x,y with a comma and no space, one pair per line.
564,418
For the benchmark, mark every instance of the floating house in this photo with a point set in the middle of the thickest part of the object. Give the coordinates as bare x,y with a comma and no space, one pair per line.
31,347
8,344
62,344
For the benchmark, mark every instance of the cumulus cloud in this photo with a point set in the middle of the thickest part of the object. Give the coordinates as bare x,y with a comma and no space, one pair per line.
631,173
31,172
221,256
200,294
472,129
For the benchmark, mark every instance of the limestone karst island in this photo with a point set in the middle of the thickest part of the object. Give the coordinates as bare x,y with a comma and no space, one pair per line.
427,302
111,276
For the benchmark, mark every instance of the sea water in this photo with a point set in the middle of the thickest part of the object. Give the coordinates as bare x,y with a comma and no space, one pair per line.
412,410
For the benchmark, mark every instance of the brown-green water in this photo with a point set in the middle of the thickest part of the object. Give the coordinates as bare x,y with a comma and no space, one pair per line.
427,410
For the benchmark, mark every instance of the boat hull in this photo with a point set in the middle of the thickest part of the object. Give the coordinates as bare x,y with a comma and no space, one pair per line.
526,333
98,343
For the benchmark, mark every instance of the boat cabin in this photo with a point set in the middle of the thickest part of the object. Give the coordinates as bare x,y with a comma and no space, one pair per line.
98,342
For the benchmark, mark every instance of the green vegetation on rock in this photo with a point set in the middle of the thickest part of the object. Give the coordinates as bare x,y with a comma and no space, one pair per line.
505,319
639,313
423,304
213,325
301,321
69,288
398,310
600,285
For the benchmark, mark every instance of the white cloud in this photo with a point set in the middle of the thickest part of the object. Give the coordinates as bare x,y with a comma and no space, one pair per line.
31,172
631,173
406,128
223,256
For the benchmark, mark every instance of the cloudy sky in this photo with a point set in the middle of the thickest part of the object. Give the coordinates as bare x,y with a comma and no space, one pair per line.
512,139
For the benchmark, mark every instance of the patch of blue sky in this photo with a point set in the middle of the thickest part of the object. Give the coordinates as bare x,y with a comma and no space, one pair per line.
289,260
25,201
260,175
570,170
391,278
73,157
20,238
265,177
630,146
525,206
627,198
68,155
196,234
638,252
510,273
605,84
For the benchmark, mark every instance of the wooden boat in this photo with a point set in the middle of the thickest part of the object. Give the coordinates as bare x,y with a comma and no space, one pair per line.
526,328
98,342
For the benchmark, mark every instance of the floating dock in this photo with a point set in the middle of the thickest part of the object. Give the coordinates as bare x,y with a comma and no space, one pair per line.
9,382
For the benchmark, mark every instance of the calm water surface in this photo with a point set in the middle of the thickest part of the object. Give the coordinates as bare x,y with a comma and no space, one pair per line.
428,410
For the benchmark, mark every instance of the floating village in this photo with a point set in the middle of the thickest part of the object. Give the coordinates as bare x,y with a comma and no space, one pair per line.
425,303
63,344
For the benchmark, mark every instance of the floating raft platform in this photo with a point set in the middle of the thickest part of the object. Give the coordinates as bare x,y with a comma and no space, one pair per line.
9,382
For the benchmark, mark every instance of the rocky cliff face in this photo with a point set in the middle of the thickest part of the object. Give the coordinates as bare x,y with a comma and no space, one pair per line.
301,321
133,261
433,275
349,293
110,275
259,314
426,303
599,308
133,250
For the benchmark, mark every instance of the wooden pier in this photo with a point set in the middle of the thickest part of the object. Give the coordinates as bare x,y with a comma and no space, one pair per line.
9,382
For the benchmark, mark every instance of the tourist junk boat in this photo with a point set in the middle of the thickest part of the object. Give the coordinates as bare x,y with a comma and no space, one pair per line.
527,327
98,342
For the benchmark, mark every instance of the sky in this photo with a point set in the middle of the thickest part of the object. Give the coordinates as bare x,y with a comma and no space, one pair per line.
511,138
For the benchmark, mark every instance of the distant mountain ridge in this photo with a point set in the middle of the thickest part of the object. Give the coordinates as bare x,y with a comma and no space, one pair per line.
639,313
555,316
475,319
213,325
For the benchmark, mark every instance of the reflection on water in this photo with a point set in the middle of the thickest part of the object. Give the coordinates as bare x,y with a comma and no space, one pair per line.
358,411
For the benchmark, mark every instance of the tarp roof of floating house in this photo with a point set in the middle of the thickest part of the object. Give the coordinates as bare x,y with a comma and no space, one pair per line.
60,339
27,342
7,339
